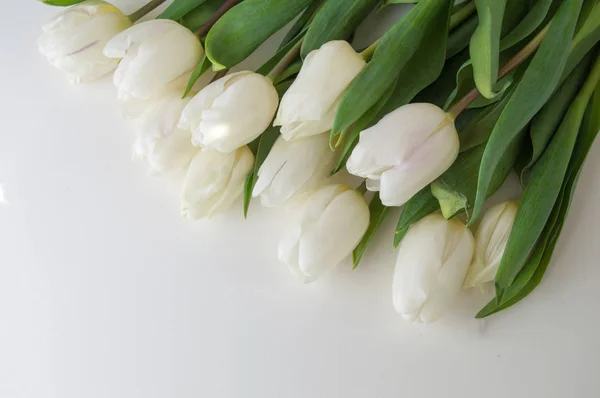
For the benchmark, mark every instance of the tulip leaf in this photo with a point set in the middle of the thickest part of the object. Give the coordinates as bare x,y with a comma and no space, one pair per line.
460,36
485,45
537,85
61,3
179,8
268,66
198,71
542,192
301,23
194,19
526,26
261,147
533,271
378,212
395,49
419,206
246,26
545,123
335,20
585,39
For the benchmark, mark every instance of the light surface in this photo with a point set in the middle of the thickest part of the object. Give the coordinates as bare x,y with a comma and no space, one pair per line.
106,292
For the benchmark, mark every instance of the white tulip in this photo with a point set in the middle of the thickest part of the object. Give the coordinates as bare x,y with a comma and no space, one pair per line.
332,222
309,105
73,40
154,54
165,146
214,181
231,112
403,153
433,259
490,242
293,168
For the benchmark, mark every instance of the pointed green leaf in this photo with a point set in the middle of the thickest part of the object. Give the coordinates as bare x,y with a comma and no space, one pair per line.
541,193
198,71
537,85
199,15
535,16
585,39
485,45
461,35
60,3
419,206
378,212
179,8
272,63
246,26
335,20
394,51
301,23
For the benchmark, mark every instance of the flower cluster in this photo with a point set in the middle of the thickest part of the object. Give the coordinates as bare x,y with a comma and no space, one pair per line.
426,117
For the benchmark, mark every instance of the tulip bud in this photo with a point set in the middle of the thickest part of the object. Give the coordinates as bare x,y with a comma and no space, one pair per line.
433,259
231,112
73,40
403,153
293,168
214,181
153,55
309,105
332,222
159,140
490,242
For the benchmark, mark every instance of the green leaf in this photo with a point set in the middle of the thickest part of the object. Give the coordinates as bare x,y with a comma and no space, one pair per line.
179,8
461,35
198,71
389,2
282,52
301,23
60,3
526,26
378,213
451,201
533,271
541,193
537,85
246,26
261,148
336,20
199,15
485,45
584,40
393,53
290,71
545,123
419,206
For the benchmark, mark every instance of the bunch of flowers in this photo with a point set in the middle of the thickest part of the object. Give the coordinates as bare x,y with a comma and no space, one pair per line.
433,117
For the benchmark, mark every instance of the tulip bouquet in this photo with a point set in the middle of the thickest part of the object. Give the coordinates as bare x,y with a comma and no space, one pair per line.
433,117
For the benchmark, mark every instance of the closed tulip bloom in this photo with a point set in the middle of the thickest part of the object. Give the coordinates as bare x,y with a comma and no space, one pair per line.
403,153
153,55
73,40
309,106
165,146
293,168
332,222
214,181
490,242
433,259
231,112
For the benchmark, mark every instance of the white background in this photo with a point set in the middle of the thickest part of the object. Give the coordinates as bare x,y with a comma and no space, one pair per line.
106,292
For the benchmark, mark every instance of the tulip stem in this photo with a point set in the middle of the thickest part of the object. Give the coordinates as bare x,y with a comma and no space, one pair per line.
285,61
461,14
226,6
510,66
144,10
368,52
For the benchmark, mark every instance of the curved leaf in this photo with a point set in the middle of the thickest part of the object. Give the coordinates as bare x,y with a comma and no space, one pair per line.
336,20
460,36
301,23
485,45
541,193
419,206
537,85
61,3
199,15
527,25
246,26
378,212
179,8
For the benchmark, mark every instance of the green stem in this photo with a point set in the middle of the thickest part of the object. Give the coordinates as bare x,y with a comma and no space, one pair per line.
144,10
462,14
285,61
226,6
368,52
511,65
